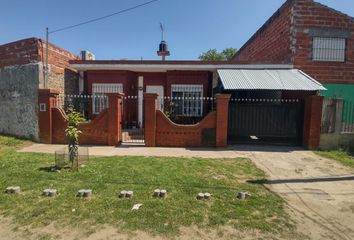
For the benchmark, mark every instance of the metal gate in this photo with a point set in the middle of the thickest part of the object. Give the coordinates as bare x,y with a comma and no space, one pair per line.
265,121
132,129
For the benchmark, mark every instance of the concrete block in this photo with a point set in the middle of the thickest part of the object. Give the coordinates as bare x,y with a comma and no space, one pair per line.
13,189
129,194
156,193
49,192
200,196
122,194
163,193
243,195
84,193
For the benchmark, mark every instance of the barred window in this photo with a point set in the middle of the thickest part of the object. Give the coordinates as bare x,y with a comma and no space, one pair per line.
328,49
99,99
187,100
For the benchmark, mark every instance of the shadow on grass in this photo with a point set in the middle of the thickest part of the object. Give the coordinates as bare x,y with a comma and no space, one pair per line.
302,180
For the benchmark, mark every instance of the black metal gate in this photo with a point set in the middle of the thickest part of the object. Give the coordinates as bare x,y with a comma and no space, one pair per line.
132,129
265,121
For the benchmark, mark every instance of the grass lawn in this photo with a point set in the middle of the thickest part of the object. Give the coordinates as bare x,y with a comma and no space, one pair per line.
339,155
183,178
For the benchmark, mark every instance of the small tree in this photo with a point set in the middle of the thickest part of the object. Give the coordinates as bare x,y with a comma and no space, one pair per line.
72,133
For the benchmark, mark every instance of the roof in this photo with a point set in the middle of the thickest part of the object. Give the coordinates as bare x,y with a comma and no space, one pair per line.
267,79
161,66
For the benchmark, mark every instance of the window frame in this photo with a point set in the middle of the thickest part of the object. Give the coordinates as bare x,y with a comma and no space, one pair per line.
191,89
98,92
318,53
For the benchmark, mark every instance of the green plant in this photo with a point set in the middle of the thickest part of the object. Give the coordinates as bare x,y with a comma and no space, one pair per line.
72,132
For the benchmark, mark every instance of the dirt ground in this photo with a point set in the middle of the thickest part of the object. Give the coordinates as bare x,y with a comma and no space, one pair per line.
319,193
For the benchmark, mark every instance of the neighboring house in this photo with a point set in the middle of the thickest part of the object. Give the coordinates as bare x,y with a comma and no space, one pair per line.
22,75
312,37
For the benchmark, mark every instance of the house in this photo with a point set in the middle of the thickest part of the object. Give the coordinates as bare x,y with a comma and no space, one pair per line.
313,38
22,71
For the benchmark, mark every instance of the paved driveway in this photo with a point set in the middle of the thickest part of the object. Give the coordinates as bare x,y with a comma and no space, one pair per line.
319,191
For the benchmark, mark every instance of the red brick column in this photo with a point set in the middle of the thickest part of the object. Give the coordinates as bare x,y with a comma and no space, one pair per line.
222,115
150,108
312,122
115,118
46,101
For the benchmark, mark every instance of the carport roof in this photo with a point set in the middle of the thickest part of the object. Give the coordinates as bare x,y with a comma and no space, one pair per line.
268,79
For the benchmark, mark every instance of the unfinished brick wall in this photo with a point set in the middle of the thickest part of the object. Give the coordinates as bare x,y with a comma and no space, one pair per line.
286,38
271,43
33,50
160,131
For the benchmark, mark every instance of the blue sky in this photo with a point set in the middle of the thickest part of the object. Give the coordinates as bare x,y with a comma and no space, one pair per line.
191,26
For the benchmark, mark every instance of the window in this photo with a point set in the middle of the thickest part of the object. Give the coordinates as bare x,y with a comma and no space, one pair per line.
328,49
99,99
187,100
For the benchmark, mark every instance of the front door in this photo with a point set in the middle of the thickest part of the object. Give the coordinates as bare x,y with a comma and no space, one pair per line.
159,91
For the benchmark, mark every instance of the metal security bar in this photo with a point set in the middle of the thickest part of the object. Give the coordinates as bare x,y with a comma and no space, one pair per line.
348,117
328,49
85,104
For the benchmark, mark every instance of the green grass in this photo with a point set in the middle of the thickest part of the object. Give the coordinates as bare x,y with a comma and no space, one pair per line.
183,178
341,156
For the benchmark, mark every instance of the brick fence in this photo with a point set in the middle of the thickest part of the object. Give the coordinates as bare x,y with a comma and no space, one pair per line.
160,131
105,129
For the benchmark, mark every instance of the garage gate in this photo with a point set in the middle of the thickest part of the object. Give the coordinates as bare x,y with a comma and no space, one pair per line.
266,121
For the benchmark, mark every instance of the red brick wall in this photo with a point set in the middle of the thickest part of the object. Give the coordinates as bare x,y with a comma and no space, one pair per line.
105,129
33,50
169,134
129,80
312,122
314,15
20,52
271,43
95,132
161,131
285,38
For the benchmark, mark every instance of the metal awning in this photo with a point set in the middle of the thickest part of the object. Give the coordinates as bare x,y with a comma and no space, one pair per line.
267,79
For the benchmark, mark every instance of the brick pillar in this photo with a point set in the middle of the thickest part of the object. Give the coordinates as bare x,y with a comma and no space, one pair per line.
114,118
312,122
46,101
222,115
150,108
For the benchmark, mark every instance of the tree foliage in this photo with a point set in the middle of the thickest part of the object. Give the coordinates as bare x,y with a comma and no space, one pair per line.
73,119
213,55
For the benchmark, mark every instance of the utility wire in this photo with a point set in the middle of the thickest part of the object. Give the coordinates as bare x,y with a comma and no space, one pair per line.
103,17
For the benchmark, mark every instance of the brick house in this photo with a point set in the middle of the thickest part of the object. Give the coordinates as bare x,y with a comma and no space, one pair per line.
22,75
183,79
312,37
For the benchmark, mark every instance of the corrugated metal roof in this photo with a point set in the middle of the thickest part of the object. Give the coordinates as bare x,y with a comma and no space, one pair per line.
268,79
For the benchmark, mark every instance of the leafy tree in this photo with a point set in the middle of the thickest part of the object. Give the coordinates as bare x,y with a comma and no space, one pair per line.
213,55
72,132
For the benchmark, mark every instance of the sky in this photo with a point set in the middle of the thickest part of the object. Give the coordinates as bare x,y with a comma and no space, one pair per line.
191,26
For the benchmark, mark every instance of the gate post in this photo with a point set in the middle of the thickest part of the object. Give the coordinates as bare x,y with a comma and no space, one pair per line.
222,115
150,108
46,101
312,121
114,118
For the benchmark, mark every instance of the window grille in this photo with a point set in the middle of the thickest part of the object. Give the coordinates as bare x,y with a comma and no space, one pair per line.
99,99
187,100
328,49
